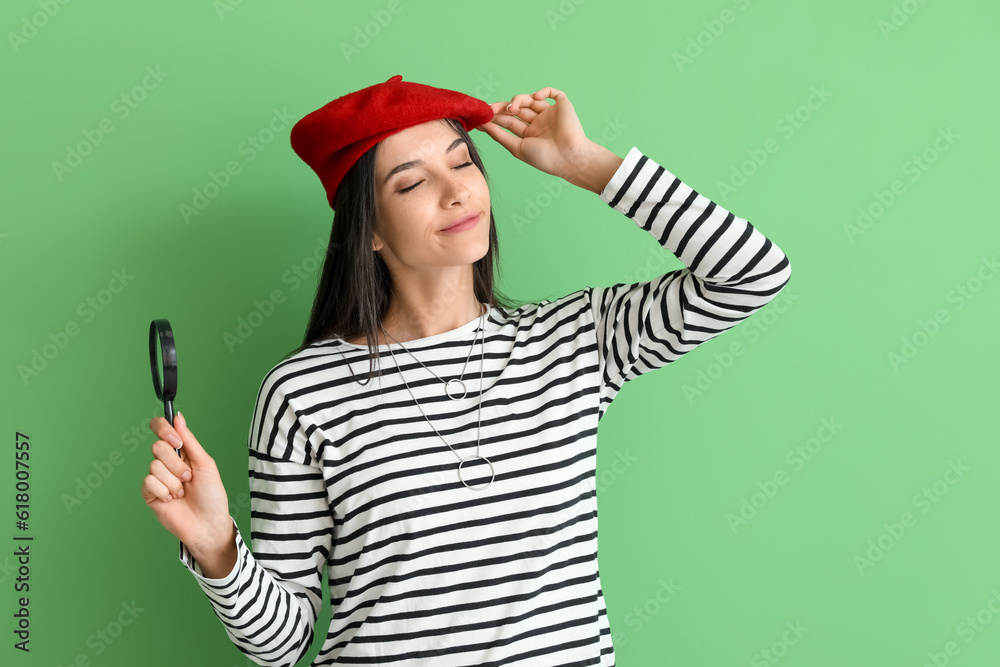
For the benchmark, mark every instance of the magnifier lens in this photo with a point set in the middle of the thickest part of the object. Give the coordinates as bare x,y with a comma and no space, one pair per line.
158,375
163,365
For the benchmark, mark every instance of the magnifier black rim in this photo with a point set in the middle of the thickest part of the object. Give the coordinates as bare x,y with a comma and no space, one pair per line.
161,329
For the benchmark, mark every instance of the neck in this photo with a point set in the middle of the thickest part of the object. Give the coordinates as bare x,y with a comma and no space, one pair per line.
404,324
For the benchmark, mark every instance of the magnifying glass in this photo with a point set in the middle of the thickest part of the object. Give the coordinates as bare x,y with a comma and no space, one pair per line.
162,352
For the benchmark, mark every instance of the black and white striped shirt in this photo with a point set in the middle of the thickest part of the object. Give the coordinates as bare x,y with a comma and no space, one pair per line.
421,569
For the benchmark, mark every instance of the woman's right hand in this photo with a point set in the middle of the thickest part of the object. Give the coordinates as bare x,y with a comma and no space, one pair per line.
186,492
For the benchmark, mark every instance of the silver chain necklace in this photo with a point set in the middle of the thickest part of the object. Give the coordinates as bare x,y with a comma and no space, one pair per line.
479,426
448,383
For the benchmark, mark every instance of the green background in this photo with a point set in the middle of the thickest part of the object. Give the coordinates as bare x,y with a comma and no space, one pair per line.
896,75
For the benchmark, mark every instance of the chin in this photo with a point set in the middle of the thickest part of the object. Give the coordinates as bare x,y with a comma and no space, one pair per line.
478,250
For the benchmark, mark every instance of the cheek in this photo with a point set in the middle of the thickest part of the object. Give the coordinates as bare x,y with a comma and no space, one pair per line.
480,187
409,229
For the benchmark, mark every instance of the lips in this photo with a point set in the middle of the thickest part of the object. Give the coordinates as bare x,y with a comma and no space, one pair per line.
464,218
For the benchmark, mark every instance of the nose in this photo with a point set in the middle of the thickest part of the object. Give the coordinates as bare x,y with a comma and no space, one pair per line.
455,189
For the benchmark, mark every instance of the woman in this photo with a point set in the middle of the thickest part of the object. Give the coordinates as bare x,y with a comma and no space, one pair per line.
451,496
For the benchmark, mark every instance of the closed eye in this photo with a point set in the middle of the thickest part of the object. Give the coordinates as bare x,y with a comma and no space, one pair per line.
405,190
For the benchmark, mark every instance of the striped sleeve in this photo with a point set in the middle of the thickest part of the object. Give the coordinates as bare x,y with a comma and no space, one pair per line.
269,603
731,270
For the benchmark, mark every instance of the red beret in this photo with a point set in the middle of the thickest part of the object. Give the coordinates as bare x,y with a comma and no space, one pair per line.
333,137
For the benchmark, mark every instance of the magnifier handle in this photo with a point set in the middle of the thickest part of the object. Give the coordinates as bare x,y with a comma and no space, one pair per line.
168,412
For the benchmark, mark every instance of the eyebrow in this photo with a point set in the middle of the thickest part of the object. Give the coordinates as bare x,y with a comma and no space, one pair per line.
413,163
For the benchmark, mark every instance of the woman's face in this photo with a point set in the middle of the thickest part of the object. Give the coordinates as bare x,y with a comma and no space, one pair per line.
425,180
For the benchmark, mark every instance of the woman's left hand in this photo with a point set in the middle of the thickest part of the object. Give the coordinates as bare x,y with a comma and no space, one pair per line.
547,136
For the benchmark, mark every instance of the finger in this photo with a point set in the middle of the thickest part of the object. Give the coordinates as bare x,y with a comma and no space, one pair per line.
164,431
538,106
505,139
499,107
553,93
164,451
196,453
518,101
154,489
515,125
524,113
529,108
158,470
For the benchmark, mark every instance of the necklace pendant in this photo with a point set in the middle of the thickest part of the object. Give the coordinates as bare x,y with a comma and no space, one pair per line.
447,389
493,473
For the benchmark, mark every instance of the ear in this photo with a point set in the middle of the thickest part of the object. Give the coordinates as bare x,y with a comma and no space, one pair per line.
377,242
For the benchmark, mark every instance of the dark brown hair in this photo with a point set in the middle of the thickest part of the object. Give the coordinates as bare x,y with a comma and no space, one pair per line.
355,286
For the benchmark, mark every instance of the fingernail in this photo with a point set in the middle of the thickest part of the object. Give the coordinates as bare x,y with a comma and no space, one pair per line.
181,418
180,493
177,442
186,476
